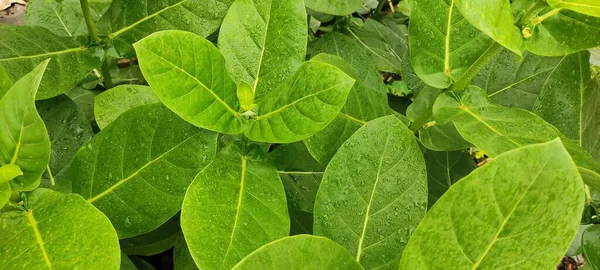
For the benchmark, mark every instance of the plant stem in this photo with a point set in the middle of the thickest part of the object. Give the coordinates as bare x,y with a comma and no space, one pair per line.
108,83
540,19
486,57
380,6
50,175
391,6
532,12
88,21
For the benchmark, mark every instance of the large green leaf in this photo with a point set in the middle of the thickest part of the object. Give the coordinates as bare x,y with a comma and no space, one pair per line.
443,45
137,169
56,231
302,106
362,105
589,7
444,169
373,193
5,82
63,17
23,138
264,42
495,19
589,129
525,203
182,259
112,103
176,65
233,207
126,22
590,241
68,129
299,252
496,129
154,242
334,7
24,47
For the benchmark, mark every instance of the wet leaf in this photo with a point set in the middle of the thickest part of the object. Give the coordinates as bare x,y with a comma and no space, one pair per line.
109,105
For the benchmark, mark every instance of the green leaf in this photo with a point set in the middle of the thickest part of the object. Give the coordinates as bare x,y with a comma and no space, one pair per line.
126,263
373,193
495,129
299,252
590,241
5,82
564,33
23,138
300,222
444,169
234,206
109,105
25,47
589,134
5,193
245,95
68,130
182,258
525,203
9,172
264,42
495,19
84,98
384,46
588,7
154,242
137,169
334,7
362,105
126,22
175,65
576,248
302,106
57,231
443,45
63,17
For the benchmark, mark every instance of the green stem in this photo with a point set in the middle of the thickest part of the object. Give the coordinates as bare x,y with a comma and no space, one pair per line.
108,83
88,21
485,58
50,175
532,12
380,6
540,19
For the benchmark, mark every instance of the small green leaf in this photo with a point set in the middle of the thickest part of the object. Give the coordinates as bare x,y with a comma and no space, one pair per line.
245,95
264,42
373,193
588,7
23,137
58,231
299,252
109,105
590,242
9,172
302,106
175,65
525,203
444,169
234,206
334,7
63,17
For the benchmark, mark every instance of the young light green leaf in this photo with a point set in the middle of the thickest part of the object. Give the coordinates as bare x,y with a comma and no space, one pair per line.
175,63
264,42
302,106
109,105
443,45
444,169
182,259
299,252
68,129
588,7
154,242
126,22
25,47
63,17
9,172
233,207
495,19
245,95
373,193
526,202
590,242
57,231
362,105
334,7
137,169
23,137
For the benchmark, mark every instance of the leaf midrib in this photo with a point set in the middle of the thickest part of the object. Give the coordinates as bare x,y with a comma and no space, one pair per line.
238,209
44,54
38,237
129,27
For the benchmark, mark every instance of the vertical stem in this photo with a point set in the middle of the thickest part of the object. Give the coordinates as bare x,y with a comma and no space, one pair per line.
88,21
50,175
108,83
486,57
380,6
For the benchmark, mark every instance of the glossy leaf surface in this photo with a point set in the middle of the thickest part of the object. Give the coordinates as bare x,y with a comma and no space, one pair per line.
233,207
373,193
63,17
138,168
58,231
334,7
264,42
299,252
588,7
525,202
112,103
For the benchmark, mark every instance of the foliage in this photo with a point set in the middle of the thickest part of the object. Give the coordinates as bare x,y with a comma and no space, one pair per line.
316,134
